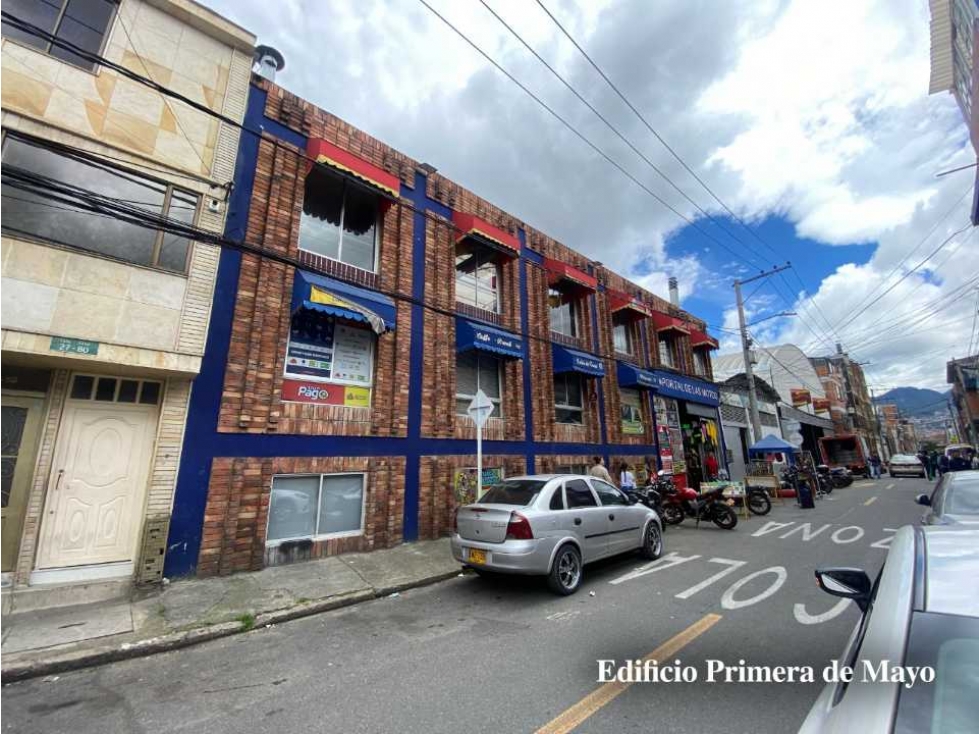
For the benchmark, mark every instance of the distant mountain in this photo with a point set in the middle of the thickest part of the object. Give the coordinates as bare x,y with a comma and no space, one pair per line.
914,401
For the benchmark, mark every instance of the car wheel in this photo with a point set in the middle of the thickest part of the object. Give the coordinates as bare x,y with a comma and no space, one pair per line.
565,575
652,543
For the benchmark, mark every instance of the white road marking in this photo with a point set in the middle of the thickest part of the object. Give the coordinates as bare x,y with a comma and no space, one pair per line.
733,566
840,541
885,543
803,617
667,561
871,500
559,616
729,602
806,529
889,485
770,527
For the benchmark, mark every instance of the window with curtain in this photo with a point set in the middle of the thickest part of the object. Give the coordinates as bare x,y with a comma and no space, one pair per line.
564,311
478,279
339,220
666,351
32,215
82,23
569,406
476,371
622,338
316,506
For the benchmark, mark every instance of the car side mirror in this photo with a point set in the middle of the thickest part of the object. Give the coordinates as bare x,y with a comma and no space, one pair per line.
848,583
923,499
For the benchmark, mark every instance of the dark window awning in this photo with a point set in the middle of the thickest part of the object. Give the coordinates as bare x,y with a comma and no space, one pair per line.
624,305
571,360
632,376
344,301
700,339
471,227
702,411
665,322
323,151
561,274
473,335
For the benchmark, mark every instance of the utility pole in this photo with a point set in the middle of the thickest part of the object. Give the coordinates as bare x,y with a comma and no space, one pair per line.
746,349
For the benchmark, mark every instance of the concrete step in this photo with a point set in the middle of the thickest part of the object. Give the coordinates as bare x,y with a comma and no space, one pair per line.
49,596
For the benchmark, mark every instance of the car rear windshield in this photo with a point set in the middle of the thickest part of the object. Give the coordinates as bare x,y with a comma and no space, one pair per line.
519,492
963,499
950,645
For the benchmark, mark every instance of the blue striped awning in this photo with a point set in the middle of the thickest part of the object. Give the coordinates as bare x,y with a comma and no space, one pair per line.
473,335
571,360
342,300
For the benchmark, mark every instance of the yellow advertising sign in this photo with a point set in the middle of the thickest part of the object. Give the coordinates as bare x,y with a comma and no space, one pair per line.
357,397
317,295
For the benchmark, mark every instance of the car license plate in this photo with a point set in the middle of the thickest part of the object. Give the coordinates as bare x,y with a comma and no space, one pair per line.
476,555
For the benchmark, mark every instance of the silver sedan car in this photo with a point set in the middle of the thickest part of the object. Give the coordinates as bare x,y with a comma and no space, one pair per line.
552,525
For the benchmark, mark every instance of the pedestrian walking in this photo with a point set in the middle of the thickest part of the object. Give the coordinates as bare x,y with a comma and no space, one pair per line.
598,469
942,465
874,466
627,480
932,464
926,463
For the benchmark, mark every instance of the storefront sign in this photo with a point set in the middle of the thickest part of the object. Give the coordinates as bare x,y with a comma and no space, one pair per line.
352,354
632,428
318,295
313,357
800,397
74,346
820,405
686,388
464,482
321,393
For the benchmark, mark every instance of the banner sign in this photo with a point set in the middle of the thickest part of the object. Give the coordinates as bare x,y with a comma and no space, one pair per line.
800,397
301,391
313,357
820,405
464,482
686,388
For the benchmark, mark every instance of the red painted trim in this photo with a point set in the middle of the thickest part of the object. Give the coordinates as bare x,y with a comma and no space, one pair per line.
665,322
558,271
702,339
323,151
469,224
619,301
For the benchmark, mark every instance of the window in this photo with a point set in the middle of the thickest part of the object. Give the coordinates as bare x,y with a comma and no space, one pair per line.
83,23
114,390
568,403
557,499
478,280
571,469
518,492
577,494
700,362
339,220
316,505
630,402
666,351
564,312
35,216
622,337
324,349
608,494
475,371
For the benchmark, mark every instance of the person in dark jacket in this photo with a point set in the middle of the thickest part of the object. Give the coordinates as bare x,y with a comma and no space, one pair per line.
959,462
942,464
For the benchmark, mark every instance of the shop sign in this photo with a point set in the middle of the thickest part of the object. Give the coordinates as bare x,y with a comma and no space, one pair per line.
74,346
464,482
800,397
318,295
497,340
321,393
686,388
632,428
587,364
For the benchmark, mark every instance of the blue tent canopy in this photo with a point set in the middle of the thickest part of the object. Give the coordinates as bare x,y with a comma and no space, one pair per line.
773,445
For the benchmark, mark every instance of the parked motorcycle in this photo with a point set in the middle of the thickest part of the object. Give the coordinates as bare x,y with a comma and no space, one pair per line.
758,500
840,476
710,506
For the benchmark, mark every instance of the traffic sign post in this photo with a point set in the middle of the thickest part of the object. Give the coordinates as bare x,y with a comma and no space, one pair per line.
479,410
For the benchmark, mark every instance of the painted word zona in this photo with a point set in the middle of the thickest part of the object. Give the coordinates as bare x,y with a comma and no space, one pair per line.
686,388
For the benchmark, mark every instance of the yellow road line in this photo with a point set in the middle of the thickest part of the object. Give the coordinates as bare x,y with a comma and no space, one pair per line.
575,715
871,500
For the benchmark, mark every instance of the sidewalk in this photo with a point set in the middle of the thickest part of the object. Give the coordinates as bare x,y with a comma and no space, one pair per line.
195,610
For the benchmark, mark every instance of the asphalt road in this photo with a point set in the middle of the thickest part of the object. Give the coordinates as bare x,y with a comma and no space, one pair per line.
471,655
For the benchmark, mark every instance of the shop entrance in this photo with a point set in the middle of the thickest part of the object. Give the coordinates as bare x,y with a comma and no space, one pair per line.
21,430
94,506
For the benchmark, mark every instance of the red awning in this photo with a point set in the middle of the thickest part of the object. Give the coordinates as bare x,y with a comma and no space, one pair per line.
624,304
665,322
323,151
702,339
558,272
470,225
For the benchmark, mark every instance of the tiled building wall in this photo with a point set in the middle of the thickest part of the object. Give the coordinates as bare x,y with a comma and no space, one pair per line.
437,481
236,517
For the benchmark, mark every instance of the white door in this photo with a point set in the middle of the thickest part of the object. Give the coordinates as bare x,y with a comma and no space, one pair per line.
98,481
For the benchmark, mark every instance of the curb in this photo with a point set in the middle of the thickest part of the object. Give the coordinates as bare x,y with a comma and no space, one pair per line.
76,659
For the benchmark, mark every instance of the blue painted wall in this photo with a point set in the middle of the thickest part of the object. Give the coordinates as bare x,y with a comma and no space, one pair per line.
202,442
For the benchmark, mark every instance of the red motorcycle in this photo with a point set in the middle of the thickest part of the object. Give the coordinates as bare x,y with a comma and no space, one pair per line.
711,506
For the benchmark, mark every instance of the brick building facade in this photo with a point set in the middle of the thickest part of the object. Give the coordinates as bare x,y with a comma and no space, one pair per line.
329,415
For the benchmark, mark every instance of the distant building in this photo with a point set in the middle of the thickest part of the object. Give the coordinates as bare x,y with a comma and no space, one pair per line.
850,405
788,371
736,420
898,433
963,376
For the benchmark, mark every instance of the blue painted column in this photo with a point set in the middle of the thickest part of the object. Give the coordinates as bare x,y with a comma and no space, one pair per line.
528,409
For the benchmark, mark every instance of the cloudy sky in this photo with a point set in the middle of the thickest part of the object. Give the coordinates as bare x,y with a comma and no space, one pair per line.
810,120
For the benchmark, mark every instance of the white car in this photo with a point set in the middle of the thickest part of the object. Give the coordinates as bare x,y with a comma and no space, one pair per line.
922,611
906,465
